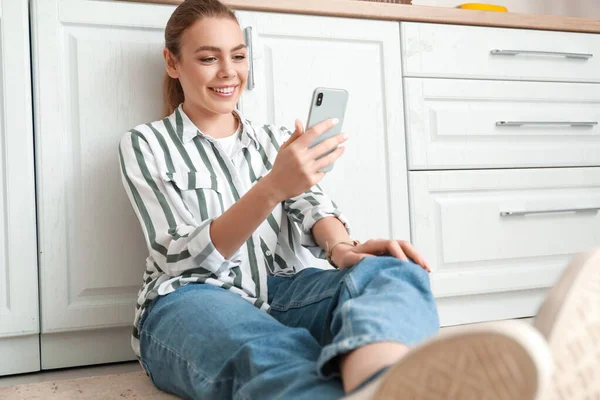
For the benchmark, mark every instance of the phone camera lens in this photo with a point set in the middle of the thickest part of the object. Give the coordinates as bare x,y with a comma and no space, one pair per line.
319,99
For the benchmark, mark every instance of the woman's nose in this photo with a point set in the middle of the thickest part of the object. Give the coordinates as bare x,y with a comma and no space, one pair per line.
227,69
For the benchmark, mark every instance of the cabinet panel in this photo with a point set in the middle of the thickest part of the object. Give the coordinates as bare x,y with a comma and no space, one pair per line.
456,51
454,123
98,72
293,54
508,233
19,321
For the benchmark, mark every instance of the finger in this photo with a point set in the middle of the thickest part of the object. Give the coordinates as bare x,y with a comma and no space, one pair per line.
412,252
396,251
299,130
316,131
373,246
327,145
328,159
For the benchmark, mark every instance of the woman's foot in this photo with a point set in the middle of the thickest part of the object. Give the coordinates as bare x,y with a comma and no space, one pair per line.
507,360
569,319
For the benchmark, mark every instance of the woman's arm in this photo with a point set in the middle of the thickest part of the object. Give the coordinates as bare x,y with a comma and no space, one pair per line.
236,224
294,170
330,230
177,247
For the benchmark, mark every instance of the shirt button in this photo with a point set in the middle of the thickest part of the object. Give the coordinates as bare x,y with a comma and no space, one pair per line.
268,253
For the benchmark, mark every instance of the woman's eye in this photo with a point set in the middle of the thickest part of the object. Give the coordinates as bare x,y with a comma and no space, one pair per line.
211,59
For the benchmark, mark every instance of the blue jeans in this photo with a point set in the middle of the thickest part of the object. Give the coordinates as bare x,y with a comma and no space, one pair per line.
204,342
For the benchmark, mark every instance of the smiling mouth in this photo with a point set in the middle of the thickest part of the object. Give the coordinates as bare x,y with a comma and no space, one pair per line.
226,91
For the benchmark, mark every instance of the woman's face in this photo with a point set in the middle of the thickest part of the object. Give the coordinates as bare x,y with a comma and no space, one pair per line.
212,56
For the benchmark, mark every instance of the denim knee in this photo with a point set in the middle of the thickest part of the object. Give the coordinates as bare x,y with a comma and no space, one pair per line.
389,267
384,299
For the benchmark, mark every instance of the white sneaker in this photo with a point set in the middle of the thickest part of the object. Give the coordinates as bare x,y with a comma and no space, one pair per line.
506,360
569,319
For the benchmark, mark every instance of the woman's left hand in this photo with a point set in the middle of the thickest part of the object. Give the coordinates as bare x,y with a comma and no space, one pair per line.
344,256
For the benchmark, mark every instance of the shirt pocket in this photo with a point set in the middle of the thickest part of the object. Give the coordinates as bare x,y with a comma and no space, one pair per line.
199,192
193,180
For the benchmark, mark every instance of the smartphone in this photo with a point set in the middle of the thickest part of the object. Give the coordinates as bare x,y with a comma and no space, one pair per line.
327,103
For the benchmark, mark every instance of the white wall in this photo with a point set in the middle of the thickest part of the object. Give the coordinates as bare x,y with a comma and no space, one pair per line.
573,8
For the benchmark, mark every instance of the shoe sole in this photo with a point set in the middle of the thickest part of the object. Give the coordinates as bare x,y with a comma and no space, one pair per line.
498,361
569,318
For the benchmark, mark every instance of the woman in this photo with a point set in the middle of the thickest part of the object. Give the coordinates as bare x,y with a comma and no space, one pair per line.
231,212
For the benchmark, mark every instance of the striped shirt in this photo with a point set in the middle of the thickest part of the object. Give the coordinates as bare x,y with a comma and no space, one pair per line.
179,180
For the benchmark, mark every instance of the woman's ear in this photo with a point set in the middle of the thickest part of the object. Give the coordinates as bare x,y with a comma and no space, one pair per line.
170,64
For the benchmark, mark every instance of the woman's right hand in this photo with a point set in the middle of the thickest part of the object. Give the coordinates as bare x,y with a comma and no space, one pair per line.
296,168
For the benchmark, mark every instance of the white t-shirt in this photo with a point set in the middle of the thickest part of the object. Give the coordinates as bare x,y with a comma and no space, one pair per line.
228,142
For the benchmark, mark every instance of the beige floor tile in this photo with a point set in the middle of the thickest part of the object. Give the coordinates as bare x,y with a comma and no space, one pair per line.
70,373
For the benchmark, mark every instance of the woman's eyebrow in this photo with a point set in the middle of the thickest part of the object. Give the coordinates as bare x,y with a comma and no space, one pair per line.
213,48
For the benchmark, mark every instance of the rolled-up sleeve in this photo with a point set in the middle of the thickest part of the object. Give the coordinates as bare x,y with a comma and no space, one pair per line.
308,208
176,246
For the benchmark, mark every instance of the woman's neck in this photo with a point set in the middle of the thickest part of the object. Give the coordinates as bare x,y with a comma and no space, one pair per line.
212,124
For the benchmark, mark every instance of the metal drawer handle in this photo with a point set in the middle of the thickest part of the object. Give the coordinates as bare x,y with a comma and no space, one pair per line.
547,123
248,38
519,213
584,56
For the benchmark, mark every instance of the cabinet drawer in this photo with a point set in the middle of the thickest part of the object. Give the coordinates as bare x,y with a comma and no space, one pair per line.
454,123
440,50
501,233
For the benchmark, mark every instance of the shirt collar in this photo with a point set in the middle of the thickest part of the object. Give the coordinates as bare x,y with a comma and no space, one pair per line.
187,130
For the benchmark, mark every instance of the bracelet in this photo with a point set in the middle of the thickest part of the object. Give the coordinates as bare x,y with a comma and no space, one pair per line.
329,251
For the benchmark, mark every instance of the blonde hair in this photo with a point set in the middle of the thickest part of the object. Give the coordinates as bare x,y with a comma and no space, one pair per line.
184,16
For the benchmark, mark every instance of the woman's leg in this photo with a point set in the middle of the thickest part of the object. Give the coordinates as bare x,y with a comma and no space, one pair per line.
380,299
383,299
368,361
204,342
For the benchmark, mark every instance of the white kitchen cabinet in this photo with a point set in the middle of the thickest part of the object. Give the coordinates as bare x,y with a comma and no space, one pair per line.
498,239
292,55
98,70
19,321
472,52
468,123
494,207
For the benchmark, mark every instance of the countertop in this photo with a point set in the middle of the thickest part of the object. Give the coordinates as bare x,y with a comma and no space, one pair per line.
402,12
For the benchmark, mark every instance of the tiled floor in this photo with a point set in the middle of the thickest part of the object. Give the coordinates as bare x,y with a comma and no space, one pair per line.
70,373
104,369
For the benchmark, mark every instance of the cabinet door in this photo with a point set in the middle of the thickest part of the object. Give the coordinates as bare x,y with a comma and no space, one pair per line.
497,239
468,123
293,54
98,72
19,322
478,52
